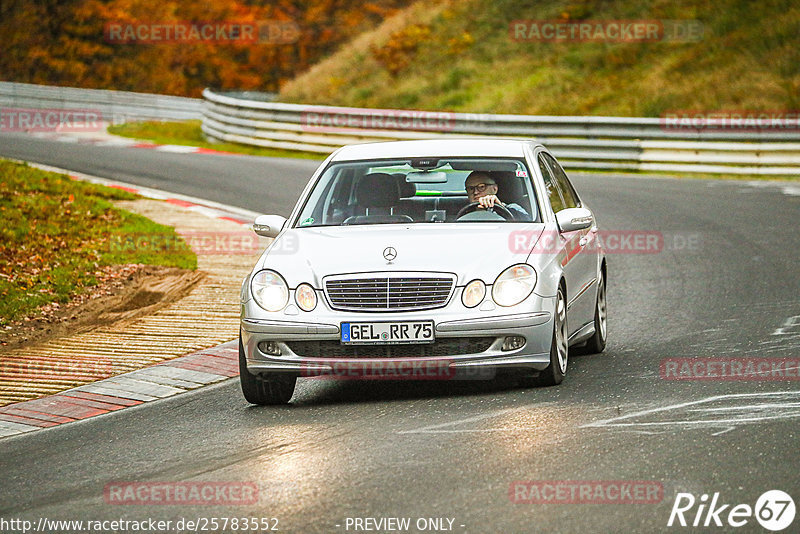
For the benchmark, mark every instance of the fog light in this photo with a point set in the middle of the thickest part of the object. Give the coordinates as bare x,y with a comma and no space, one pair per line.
270,347
513,343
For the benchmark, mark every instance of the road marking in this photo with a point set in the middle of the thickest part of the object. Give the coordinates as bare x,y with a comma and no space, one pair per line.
681,414
437,429
724,431
791,326
786,189
766,406
178,149
115,142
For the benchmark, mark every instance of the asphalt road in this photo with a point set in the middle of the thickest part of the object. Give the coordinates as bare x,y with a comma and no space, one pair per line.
724,285
264,185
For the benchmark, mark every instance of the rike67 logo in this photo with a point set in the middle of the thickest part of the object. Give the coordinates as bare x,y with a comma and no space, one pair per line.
774,510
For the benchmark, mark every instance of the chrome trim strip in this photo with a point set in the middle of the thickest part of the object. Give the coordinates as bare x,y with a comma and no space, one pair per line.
494,323
581,292
272,365
287,327
584,332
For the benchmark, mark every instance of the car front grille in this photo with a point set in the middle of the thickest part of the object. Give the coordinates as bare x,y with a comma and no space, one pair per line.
389,292
441,347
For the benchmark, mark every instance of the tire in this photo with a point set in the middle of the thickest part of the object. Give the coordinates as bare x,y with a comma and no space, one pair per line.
269,390
597,343
559,347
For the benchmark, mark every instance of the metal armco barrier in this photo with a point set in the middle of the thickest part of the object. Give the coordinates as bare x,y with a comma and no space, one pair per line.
115,106
610,143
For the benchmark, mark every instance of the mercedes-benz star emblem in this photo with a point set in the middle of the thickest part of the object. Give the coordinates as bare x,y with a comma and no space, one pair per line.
389,253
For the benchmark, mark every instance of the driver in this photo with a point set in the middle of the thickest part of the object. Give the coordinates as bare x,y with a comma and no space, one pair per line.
482,188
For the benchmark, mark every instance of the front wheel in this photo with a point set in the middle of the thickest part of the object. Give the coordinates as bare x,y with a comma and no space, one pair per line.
264,390
559,347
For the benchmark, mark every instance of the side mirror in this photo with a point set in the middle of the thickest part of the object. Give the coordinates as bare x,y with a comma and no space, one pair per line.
268,225
572,219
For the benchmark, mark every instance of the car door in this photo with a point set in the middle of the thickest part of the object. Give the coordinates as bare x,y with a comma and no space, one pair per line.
563,243
580,261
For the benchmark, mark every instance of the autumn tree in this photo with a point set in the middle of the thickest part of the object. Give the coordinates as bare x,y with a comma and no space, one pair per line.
63,42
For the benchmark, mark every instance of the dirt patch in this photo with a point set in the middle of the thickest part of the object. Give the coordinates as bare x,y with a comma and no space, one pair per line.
125,292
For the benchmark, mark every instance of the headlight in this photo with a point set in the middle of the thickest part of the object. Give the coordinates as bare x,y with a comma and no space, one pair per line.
473,293
514,285
305,297
269,290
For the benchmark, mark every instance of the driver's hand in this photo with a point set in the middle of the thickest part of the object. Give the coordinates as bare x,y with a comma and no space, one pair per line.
488,201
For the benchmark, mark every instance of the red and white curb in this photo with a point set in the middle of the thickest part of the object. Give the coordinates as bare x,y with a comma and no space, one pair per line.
164,379
124,142
159,381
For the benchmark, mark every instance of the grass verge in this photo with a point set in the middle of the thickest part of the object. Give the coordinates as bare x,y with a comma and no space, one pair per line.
57,232
188,133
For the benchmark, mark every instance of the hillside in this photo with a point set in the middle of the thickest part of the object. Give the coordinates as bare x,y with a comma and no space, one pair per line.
460,56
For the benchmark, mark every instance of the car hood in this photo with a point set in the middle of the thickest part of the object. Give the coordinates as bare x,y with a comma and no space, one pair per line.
477,250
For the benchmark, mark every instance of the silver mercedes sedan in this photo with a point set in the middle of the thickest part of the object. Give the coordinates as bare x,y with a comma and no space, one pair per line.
425,260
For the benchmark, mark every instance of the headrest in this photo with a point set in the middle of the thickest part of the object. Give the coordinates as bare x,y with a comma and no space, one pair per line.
509,187
407,189
377,190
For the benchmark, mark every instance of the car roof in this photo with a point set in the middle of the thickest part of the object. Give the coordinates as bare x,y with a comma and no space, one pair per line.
469,147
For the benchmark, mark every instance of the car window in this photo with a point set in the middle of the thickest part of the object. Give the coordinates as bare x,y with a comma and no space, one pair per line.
567,191
553,193
397,192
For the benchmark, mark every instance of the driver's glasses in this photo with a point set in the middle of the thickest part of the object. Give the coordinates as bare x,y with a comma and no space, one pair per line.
477,188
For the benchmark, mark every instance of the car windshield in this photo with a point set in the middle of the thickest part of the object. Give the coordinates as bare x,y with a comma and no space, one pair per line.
419,190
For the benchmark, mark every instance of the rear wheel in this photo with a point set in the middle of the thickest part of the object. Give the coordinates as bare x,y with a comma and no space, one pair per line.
264,389
597,343
559,349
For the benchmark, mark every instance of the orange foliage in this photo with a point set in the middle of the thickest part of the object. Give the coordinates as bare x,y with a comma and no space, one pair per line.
398,52
63,42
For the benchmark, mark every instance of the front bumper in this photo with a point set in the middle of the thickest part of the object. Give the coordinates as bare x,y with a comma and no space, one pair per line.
533,322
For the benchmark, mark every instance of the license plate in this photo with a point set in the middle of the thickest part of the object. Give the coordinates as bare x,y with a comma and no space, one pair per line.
387,333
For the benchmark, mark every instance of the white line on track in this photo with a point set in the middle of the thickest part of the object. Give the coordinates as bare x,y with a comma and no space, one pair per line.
438,429
789,413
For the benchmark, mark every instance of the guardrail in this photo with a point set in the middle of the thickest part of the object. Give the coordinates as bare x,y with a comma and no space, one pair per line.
115,106
611,143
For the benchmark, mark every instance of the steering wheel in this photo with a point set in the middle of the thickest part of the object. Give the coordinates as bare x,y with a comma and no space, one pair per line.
500,210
